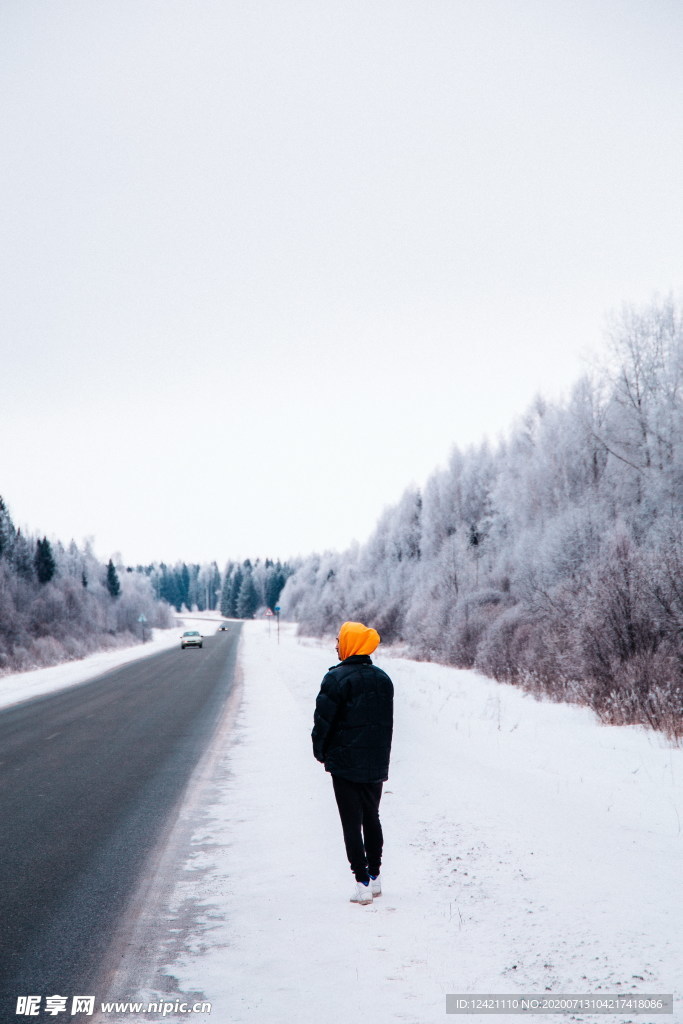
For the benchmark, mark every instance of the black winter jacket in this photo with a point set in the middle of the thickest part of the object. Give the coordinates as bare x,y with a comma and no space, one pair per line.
353,721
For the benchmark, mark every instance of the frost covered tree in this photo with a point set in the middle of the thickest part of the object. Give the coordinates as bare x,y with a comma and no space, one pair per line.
247,599
226,605
235,587
7,530
553,560
276,577
23,556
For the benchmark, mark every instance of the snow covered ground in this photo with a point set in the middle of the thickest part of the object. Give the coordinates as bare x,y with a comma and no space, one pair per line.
527,849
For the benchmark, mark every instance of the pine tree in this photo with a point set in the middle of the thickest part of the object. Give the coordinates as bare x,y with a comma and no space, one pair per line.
168,589
214,586
23,557
247,601
194,597
235,586
44,561
275,581
7,531
113,585
226,604
183,578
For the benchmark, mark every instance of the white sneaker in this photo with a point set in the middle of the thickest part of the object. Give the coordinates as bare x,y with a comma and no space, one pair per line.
376,886
361,894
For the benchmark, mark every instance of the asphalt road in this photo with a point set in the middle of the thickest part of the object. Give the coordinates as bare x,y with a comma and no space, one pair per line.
89,780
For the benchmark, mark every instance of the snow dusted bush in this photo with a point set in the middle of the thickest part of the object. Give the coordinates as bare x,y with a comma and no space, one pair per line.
502,647
20,659
47,650
75,648
634,696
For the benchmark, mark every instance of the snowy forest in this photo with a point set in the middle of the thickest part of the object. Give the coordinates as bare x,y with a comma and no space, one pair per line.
239,592
60,603
552,560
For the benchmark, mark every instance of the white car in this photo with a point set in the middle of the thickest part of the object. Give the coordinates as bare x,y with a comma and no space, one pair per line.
191,639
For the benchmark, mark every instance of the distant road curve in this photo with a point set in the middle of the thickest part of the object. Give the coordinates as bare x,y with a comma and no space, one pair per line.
89,777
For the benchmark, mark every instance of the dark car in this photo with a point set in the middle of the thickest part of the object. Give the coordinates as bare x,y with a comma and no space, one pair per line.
223,626
192,638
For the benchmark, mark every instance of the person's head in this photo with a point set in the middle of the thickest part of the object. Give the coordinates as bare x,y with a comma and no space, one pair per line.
355,638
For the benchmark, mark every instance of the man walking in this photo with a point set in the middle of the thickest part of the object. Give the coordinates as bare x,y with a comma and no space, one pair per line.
352,730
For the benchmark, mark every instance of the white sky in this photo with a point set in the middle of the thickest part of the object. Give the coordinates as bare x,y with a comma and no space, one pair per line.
263,263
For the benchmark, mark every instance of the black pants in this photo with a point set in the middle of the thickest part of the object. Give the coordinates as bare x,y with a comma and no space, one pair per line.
358,804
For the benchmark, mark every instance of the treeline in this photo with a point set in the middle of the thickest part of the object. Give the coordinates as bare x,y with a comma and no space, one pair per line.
60,603
239,592
553,560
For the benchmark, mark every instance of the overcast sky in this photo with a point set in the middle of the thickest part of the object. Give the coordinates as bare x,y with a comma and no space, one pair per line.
263,262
